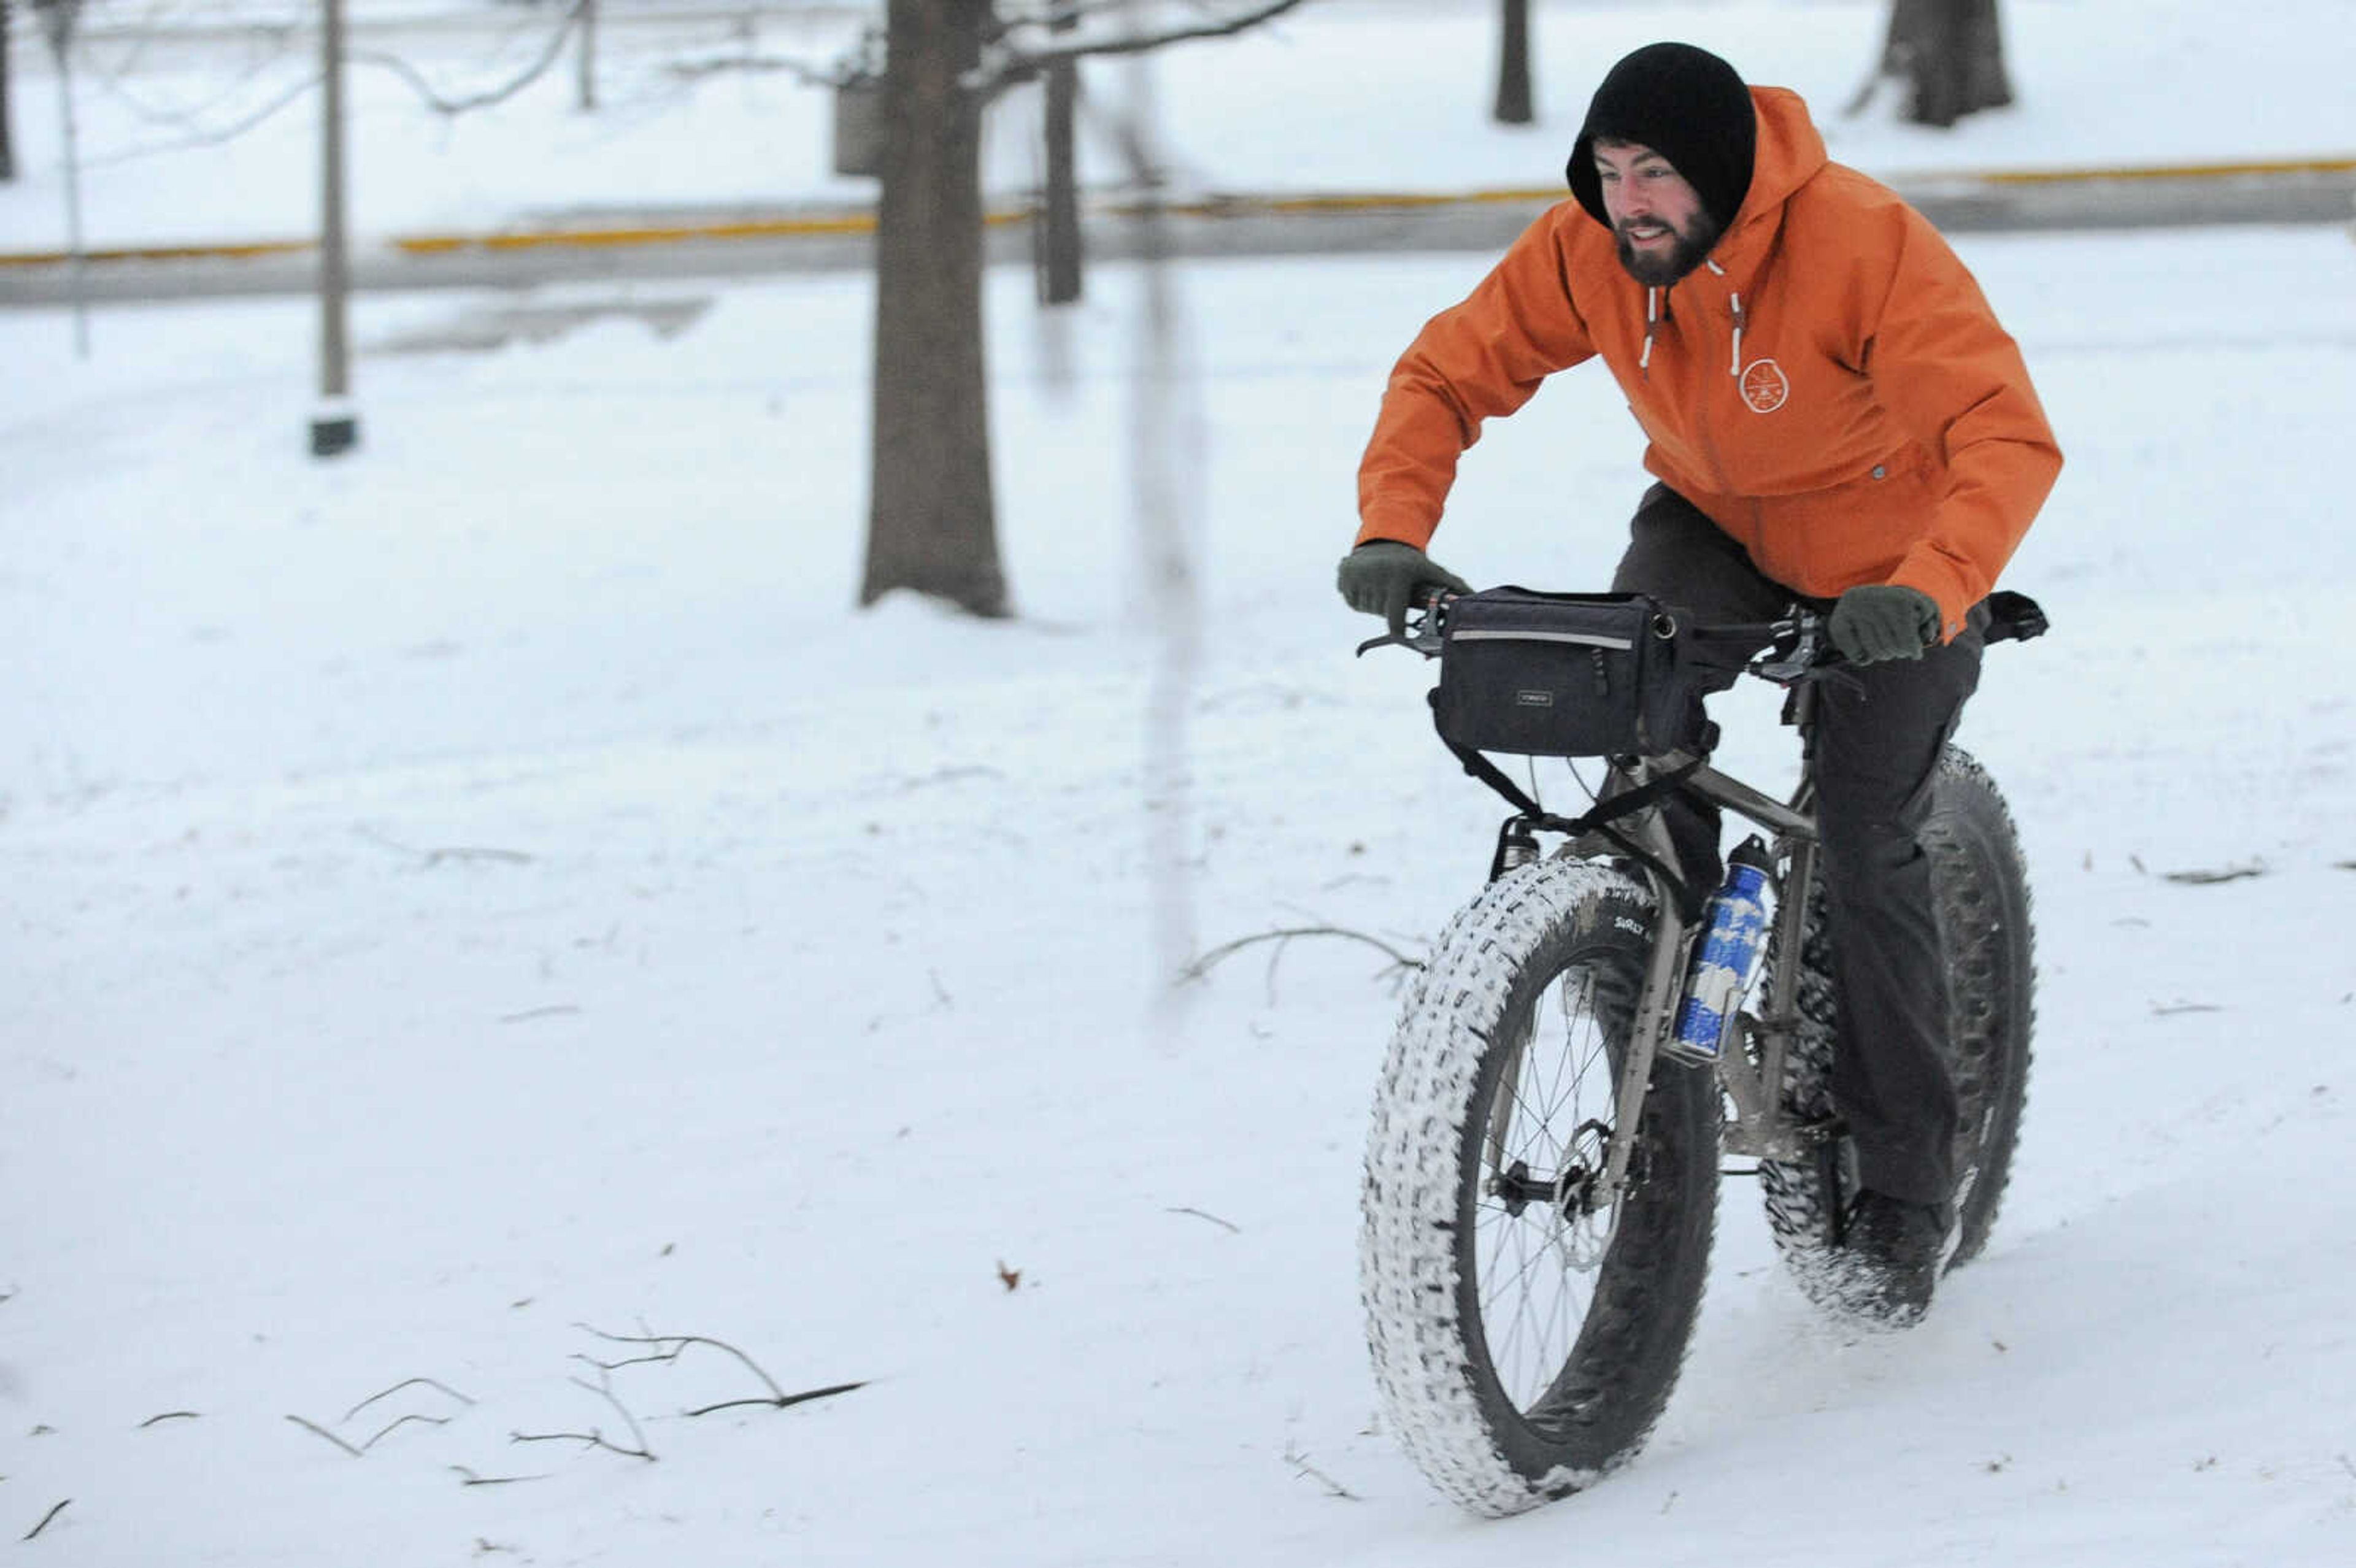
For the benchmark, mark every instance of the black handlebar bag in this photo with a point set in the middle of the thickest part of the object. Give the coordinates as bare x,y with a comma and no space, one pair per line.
1568,675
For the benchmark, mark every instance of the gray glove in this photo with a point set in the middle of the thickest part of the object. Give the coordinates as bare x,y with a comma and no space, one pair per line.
1877,620
1381,577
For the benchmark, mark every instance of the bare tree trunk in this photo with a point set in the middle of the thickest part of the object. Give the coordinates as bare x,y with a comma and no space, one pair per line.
931,522
1950,53
1514,106
8,145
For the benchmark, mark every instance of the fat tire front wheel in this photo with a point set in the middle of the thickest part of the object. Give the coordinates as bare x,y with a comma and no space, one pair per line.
1525,1341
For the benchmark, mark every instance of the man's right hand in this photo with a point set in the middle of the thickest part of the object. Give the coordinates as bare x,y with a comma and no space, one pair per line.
1878,620
1381,577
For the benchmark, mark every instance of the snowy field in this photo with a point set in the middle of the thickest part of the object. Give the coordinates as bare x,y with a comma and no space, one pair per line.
493,890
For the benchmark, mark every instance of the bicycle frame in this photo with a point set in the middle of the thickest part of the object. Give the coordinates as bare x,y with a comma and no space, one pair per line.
1761,1127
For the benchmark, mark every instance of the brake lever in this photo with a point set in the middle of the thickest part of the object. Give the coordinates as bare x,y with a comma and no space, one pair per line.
1422,634
1422,641
1788,663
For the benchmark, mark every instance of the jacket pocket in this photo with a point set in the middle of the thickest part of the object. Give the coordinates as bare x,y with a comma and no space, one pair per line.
1822,541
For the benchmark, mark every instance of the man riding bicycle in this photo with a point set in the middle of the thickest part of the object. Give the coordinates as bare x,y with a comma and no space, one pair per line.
1834,416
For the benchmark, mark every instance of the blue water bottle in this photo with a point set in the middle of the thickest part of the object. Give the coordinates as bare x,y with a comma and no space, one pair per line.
1726,958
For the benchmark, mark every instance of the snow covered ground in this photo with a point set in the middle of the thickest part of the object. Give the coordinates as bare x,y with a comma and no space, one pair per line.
493,890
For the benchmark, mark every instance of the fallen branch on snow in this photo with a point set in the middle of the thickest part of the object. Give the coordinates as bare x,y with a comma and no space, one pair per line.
53,1513
360,1450
595,1437
2201,879
455,852
1400,964
778,1399
404,1383
313,1426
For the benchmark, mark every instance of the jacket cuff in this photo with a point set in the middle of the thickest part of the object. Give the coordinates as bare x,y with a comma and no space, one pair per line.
1392,525
1935,577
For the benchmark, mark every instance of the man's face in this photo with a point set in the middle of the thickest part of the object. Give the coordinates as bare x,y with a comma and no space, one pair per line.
1663,230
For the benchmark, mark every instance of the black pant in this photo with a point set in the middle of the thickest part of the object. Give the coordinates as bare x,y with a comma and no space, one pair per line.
1877,741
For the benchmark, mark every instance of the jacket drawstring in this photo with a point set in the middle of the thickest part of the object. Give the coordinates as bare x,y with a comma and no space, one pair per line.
1652,325
1736,299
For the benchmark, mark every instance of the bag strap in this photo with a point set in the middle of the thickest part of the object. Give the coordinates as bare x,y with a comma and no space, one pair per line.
1597,818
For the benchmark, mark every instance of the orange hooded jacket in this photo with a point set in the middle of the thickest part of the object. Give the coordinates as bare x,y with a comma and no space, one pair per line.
1829,388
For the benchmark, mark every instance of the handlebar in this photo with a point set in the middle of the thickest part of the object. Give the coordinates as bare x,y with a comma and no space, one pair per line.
1788,650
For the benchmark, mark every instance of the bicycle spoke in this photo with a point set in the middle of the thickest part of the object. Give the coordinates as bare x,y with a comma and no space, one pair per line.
1537,1265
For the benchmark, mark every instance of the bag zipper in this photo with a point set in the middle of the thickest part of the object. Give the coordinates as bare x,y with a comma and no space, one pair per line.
1585,639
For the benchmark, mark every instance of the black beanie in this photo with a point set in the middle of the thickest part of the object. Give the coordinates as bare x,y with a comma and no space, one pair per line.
1687,105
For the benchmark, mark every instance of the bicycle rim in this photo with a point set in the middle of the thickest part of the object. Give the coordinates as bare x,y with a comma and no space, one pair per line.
1539,1240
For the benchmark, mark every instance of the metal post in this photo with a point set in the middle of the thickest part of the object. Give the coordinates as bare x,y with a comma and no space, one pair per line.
1057,238
588,93
74,246
335,427
7,149
57,19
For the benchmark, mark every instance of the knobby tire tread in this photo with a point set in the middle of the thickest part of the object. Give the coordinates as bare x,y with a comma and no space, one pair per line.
1987,933
1499,957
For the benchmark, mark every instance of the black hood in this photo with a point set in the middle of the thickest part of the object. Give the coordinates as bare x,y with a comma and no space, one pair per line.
1687,105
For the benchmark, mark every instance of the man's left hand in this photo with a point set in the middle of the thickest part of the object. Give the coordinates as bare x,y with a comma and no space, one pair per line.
1877,620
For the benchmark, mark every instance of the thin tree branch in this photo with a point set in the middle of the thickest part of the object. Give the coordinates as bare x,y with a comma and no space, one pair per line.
555,1011
169,1415
760,65
1301,1467
1202,966
1214,1219
404,1421
314,1427
2207,878
594,1438
407,1383
53,1513
679,1343
484,100
399,67
672,1346
1004,19
432,857
1018,65
782,1401
210,138
469,1479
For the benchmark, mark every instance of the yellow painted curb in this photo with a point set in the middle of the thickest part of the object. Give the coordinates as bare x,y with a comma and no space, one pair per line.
160,252
2156,172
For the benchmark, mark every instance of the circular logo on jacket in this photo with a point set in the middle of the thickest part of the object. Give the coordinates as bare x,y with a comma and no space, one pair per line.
1764,387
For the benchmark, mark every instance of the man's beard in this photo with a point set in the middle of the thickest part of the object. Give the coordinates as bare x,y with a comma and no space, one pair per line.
1694,244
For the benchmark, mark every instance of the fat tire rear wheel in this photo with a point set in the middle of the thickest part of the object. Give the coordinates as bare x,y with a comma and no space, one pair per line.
1986,932
1523,1347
